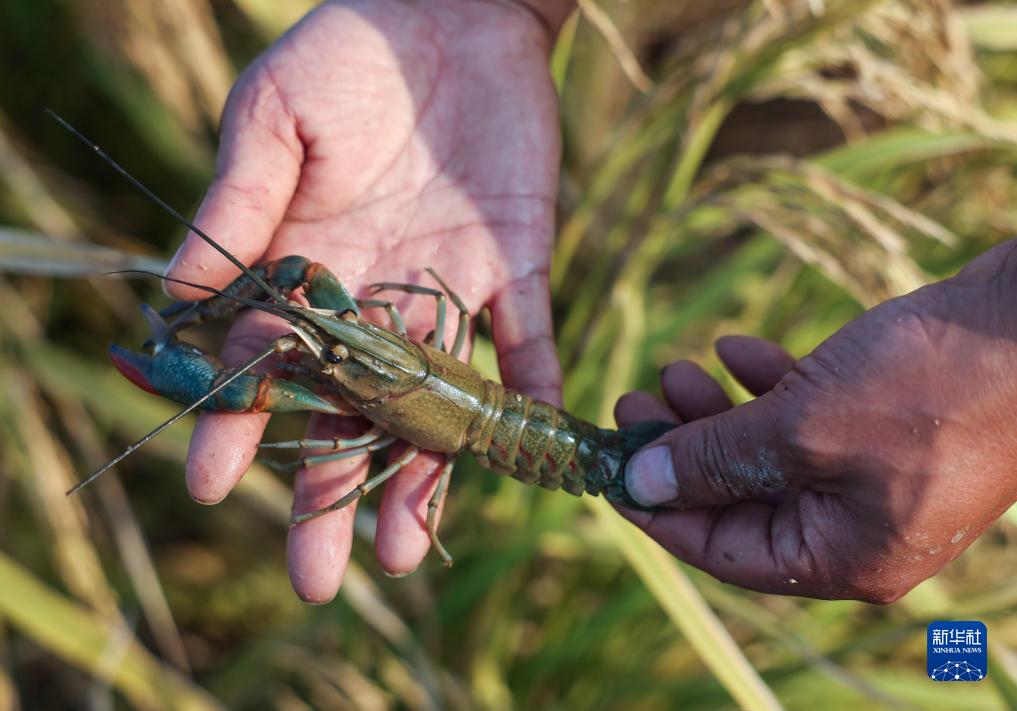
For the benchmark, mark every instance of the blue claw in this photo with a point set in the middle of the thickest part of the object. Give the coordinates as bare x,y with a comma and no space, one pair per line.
185,373
161,333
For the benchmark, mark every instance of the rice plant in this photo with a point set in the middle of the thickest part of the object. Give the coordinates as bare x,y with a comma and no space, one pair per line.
770,167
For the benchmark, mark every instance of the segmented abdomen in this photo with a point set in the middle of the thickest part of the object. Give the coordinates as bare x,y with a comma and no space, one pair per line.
538,443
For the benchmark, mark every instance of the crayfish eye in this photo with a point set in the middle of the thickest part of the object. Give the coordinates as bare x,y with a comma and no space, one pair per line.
337,353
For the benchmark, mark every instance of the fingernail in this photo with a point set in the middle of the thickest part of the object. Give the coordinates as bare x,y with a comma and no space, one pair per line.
169,270
650,477
207,502
313,602
399,575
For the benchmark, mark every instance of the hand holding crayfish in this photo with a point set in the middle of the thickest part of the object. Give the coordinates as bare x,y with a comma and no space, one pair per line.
858,471
447,157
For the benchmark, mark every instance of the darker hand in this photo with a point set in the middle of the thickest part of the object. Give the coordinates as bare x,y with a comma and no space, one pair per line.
859,470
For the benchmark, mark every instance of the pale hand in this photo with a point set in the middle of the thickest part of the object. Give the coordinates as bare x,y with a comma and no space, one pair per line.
381,138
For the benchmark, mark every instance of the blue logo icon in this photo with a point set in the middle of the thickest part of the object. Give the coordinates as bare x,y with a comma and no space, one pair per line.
956,651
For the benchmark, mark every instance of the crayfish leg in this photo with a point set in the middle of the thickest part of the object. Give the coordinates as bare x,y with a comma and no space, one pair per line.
437,336
360,489
432,512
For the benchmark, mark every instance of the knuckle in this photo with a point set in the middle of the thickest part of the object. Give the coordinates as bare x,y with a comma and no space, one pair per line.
707,453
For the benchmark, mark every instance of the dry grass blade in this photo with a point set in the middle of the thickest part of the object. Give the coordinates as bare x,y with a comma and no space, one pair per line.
361,691
175,46
269,496
23,252
126,530
29,191
128,536
335,680
844,230
616,43
79,636
135,412
908,60
47,476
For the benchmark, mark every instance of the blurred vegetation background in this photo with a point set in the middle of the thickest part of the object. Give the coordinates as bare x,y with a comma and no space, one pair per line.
770,167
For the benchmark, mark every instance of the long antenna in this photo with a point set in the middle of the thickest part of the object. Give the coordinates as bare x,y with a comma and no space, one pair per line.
276,296
274,348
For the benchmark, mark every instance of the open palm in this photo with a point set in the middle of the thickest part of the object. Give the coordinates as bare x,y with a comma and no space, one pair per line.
380,139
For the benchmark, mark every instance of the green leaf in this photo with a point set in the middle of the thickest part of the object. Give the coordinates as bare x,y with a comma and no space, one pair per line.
687,610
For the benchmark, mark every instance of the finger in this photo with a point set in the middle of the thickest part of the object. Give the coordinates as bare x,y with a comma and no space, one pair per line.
402,540
753,545
256,174
729,457
756,363
691,392
224,444
641,406
523,338
318,550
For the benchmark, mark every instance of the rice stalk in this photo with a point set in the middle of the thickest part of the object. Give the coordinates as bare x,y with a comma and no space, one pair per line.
46,475
684,605
29,192
272,18
336,679
844,230
22,251
119,403
79,636
905,61
627,60
360,690
175,46
770,625
128,536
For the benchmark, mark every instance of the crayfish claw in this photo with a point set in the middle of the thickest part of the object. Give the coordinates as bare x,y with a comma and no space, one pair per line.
161,332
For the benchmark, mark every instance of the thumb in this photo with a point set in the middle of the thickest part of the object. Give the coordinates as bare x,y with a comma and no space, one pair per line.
737,455
257,170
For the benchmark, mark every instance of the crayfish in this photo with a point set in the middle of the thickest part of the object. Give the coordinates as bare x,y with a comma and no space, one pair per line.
409,389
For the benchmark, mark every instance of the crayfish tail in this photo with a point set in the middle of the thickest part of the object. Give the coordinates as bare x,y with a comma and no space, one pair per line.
538,443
